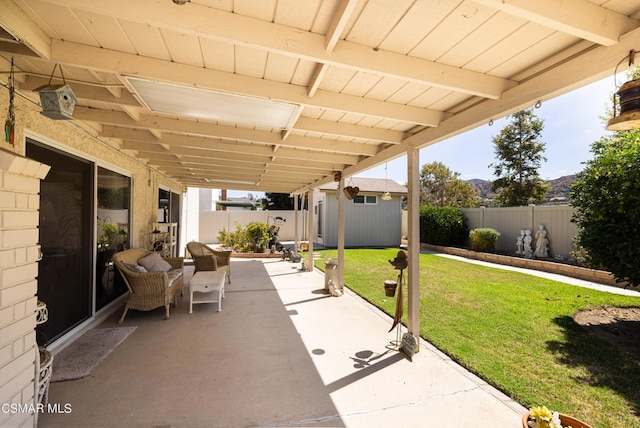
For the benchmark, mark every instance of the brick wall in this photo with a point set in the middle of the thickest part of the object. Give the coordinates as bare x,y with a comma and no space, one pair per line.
19,252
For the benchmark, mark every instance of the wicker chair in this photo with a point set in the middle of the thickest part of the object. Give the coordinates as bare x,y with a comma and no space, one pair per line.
222,258
202,263
149,290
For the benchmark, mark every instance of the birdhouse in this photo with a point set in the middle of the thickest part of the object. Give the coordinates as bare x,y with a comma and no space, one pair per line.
57,101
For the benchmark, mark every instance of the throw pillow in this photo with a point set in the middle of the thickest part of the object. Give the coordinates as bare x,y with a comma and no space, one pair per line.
135,268
154,263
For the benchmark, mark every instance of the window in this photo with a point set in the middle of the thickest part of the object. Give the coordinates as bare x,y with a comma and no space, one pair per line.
365,199
113,213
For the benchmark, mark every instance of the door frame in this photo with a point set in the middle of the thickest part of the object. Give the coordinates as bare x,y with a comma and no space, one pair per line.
95,317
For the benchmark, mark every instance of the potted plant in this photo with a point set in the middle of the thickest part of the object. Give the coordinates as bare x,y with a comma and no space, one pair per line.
111,238
541,417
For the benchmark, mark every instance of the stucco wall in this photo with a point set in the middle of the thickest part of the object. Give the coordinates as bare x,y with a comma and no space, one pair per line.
18,266
68,135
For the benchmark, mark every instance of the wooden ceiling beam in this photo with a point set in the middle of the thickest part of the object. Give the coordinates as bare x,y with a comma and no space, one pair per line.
83,91
150,121
242,150
18,24
253,145
268,36
167,71
579,18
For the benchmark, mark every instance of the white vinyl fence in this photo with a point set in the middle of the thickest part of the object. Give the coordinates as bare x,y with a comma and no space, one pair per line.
212,222
510,220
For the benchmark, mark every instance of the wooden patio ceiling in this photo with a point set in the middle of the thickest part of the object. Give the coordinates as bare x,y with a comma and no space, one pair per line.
363,80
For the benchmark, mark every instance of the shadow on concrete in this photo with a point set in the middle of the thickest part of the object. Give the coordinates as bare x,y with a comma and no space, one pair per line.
245,366
367,368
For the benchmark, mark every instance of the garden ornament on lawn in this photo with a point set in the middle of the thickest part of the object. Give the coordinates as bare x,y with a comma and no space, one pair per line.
408,344
528,252
400,263
542,243
520,242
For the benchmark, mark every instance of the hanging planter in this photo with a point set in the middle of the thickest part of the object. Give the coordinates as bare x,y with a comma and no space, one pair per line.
390,288
351,192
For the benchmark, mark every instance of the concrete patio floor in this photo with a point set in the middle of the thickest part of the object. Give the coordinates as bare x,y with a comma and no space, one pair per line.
281,353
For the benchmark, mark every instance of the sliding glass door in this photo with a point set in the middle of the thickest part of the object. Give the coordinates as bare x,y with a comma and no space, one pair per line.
75,225
66,223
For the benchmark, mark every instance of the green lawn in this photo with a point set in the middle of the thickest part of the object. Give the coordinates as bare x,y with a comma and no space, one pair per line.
516,331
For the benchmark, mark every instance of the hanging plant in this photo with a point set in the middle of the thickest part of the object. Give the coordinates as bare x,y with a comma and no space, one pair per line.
10,123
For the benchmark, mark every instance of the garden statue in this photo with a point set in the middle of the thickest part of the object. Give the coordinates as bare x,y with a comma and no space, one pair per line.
520,243
528,252
400,263
542,243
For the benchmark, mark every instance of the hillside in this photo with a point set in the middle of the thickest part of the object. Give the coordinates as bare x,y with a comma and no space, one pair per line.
559,192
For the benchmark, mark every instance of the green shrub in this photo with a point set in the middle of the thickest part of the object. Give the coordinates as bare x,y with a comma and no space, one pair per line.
251,239
484,239
257,236
442,226
233,240
606,196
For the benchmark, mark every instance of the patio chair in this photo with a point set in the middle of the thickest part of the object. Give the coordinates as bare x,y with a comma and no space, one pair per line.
149,289
204,263
222,257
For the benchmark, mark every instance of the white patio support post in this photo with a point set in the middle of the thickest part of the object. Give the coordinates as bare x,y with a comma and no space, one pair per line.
413,207
311,229
341,232
296,230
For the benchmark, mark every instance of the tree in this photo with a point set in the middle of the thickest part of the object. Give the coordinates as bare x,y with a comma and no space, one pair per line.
277,201
281,201
606,196
520,153
441,187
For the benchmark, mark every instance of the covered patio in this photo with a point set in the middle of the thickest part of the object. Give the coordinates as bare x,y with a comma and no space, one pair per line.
266,96
281,353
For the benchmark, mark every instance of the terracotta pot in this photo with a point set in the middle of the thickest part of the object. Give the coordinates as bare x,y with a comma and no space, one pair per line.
565,420
390,288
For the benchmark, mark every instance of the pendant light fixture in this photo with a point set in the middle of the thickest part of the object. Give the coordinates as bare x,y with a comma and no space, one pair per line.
386,196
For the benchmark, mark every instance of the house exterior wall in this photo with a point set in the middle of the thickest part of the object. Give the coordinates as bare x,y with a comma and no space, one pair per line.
67,136
19,253
366,225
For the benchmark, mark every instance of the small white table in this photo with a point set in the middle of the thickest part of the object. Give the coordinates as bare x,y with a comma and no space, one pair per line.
205,286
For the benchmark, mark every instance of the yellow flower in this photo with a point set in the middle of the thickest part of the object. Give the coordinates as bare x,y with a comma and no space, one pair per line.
544,418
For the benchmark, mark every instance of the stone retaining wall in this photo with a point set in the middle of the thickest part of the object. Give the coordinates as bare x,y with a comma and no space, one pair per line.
593,275
256,255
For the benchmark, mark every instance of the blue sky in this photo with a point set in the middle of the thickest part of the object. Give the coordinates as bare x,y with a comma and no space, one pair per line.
571,123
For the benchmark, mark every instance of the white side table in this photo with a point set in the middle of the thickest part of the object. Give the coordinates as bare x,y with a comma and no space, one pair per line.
205,286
